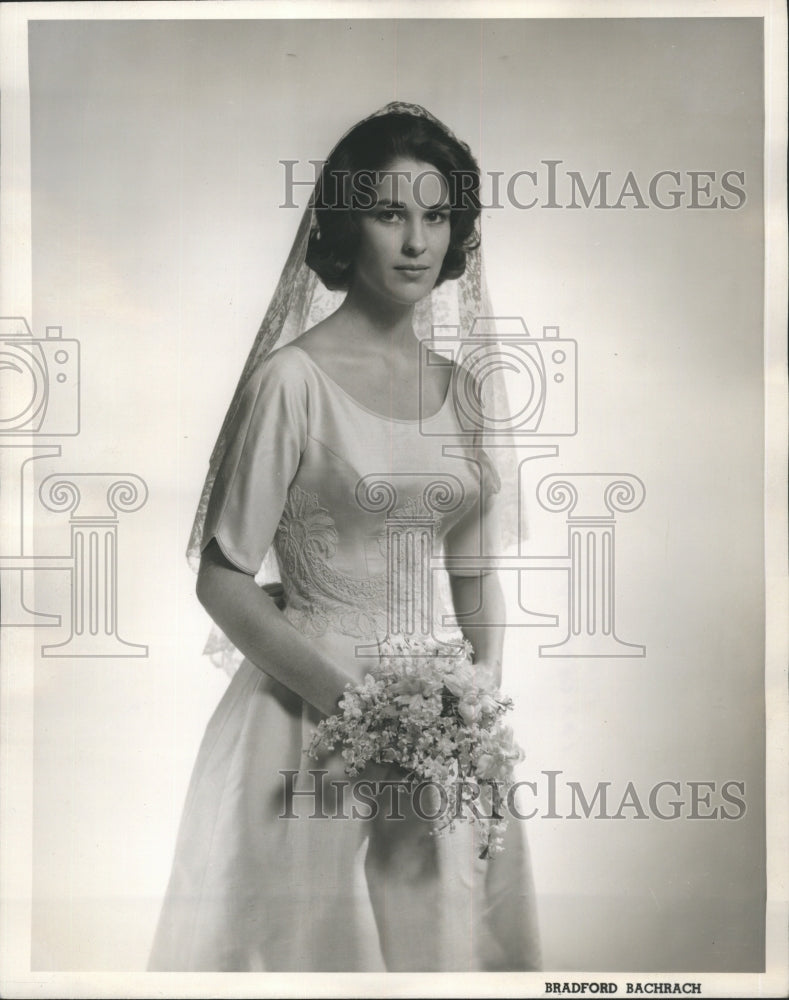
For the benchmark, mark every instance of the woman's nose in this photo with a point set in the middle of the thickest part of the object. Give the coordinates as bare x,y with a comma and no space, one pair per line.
414,240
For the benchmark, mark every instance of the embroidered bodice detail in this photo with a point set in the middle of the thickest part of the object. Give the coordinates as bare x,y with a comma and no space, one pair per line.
320,596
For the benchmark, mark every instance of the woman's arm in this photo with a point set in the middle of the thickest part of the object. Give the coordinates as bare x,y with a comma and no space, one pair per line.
255,626
469,594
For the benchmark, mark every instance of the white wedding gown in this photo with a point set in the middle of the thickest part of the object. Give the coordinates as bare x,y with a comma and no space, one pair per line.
317,475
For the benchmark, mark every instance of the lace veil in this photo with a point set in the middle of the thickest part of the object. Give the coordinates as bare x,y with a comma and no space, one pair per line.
456,308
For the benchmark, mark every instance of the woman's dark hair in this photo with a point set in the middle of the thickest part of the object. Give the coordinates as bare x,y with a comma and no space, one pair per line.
345,188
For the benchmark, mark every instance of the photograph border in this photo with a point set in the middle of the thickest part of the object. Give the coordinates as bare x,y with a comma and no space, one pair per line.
16,689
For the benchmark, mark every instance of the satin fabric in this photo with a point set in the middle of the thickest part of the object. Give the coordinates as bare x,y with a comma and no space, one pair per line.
250,890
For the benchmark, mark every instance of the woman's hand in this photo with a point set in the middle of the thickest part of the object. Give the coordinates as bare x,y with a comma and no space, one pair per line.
379,773
487,674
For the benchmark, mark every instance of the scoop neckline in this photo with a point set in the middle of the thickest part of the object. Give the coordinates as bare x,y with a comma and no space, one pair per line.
367,409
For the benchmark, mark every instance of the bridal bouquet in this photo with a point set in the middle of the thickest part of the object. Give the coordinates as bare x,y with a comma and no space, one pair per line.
425,708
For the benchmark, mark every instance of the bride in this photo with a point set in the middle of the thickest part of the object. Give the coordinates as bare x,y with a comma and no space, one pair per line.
337,427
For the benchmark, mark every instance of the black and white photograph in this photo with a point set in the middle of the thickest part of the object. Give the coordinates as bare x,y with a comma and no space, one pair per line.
394,546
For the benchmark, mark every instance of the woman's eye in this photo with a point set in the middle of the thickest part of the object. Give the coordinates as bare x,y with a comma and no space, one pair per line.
394,215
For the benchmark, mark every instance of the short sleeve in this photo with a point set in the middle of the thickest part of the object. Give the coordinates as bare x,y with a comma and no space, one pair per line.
478,532
266,439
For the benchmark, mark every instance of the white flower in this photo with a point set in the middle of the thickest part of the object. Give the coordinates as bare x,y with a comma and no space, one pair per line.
486,766
469,710
488,704
460,679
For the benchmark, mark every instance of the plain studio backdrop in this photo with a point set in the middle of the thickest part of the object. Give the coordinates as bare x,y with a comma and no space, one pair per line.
157,242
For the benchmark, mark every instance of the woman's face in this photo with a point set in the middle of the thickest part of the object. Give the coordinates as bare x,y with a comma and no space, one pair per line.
405,235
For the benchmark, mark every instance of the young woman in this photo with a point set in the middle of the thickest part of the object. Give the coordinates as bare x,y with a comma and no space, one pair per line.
334,433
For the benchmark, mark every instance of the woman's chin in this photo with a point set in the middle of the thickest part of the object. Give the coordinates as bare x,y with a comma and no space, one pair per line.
402,292
412,294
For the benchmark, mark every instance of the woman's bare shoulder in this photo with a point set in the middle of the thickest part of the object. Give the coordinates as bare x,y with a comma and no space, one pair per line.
322,340
327,346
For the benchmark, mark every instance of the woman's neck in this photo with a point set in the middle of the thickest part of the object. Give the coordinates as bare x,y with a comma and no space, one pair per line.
366,316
